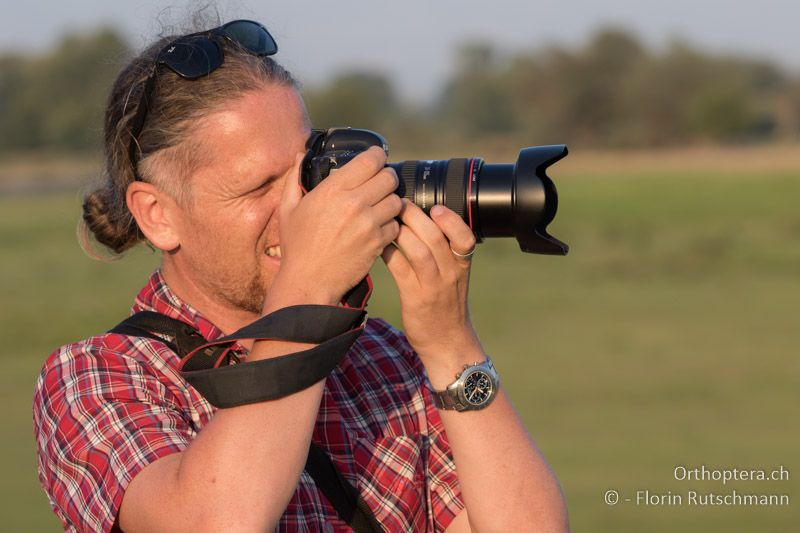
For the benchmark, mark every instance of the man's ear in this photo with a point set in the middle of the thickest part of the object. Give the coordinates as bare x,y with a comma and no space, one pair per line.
156,213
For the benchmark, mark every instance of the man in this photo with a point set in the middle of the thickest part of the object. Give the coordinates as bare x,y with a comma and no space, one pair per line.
206,168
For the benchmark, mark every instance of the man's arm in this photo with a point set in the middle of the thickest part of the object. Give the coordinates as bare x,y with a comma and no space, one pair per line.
243,467
241,470
505,481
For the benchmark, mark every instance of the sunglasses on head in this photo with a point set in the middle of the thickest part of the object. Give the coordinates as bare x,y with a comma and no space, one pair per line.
196,55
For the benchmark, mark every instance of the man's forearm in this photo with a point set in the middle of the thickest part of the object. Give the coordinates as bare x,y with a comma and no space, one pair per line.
505,481
238,474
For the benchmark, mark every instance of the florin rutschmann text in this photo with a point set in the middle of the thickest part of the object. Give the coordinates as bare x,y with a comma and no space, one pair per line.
695,497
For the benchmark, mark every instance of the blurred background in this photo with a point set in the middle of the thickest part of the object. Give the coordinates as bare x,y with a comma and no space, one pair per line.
668,337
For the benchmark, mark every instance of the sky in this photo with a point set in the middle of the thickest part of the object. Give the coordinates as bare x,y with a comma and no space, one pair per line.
413,41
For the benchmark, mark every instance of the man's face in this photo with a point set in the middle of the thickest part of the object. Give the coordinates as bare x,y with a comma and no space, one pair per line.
229,231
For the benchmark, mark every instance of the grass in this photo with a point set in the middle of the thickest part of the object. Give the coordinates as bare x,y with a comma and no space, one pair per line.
669,336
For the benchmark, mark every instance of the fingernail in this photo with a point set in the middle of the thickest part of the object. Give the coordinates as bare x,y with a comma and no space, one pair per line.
437,210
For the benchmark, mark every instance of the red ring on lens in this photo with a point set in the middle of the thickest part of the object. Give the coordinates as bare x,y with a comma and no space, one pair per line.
469,191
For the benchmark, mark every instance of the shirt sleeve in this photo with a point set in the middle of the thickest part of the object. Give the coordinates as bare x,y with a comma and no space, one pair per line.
445,499
443,489
100,417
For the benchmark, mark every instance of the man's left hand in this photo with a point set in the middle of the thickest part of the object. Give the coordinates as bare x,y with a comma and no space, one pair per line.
433,283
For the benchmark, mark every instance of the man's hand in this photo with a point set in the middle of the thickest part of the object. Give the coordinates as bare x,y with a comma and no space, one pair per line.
332,236
433,283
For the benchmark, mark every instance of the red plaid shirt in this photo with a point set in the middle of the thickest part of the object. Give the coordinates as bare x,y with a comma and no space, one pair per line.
106,407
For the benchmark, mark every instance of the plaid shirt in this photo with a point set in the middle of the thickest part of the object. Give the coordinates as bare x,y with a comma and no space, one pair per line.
106,407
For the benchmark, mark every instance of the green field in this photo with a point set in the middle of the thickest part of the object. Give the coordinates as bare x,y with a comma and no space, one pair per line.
669,336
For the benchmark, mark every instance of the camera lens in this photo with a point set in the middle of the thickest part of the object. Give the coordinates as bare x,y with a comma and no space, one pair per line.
496,200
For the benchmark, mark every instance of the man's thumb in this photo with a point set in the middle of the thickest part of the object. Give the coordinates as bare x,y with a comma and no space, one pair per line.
292,191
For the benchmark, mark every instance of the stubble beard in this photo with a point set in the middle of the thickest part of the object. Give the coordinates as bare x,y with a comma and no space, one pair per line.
249,297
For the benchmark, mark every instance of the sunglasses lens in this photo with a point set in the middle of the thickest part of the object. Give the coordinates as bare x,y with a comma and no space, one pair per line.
192,57
251,36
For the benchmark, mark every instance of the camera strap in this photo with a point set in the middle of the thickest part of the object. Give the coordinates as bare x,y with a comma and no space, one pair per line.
212,369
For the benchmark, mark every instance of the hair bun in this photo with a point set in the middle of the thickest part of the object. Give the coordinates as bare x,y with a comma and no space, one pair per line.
110,223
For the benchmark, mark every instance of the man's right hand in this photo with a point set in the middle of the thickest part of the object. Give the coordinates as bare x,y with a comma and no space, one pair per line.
331,237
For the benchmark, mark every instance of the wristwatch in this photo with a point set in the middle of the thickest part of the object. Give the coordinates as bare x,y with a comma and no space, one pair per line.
473,389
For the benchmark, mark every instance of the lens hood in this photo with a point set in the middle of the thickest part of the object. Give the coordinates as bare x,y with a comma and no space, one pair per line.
535,200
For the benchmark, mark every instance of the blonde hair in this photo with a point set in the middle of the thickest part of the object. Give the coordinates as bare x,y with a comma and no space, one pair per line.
168,152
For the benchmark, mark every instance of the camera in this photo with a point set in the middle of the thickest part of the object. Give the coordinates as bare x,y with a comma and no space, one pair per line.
496,200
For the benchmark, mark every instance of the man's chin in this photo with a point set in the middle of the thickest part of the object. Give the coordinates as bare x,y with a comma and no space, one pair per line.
251,299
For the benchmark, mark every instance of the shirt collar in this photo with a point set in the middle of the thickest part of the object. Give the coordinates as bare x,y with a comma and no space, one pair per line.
157,296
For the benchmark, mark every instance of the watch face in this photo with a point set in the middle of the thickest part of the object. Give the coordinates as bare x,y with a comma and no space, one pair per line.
477,388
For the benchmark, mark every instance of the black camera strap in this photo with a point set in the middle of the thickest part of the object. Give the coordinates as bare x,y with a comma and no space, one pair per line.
212,369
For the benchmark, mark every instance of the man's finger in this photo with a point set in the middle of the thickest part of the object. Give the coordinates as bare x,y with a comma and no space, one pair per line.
378,187
415,218
462,240
360,169
400,269
429,232
418,254
388,208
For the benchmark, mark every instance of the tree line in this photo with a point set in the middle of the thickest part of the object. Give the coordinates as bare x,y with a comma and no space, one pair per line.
612,91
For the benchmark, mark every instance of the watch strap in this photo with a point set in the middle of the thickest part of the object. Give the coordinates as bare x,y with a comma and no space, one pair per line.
447,400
